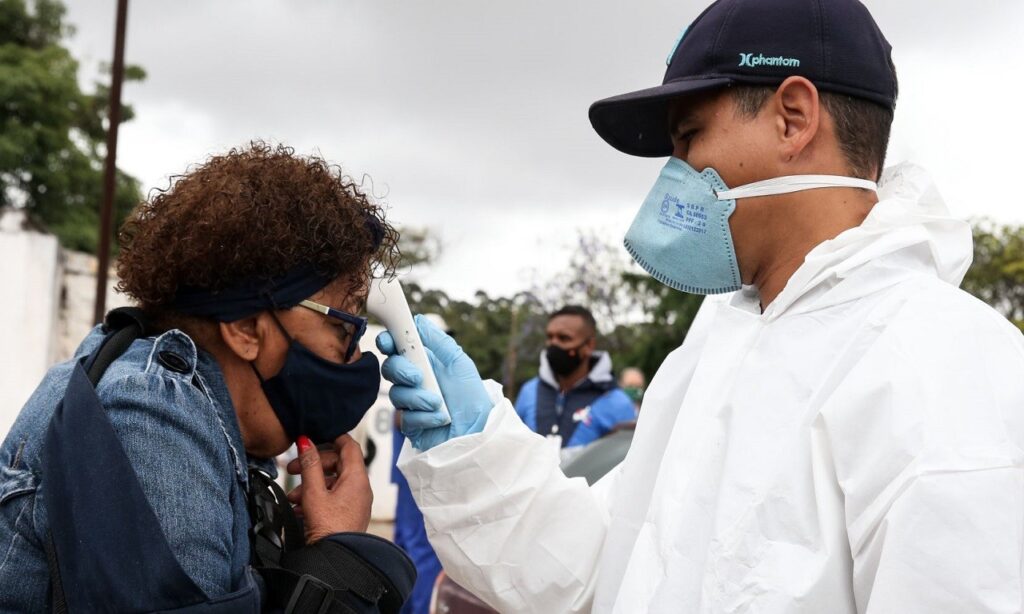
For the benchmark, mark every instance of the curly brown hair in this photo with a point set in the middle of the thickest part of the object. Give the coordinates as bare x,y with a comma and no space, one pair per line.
253,213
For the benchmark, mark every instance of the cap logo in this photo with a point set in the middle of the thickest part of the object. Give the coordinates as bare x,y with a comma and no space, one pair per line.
675,47
749,59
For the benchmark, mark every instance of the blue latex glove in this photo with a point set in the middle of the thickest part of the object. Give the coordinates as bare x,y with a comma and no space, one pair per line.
463,391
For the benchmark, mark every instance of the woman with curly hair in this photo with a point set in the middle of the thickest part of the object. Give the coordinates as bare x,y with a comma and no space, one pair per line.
138,475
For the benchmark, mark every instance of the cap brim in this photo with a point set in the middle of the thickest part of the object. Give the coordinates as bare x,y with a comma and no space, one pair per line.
637,123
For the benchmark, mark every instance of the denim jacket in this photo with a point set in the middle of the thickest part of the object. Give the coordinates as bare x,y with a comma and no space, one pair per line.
168,403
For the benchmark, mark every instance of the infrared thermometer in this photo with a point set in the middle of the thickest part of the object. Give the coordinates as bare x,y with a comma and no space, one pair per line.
386,302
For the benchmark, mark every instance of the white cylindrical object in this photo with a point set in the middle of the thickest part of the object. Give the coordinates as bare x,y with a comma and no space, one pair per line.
386,302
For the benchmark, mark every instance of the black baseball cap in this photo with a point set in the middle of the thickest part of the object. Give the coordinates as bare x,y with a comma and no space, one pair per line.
835,44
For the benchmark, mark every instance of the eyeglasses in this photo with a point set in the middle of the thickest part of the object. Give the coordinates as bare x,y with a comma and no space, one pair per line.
354,326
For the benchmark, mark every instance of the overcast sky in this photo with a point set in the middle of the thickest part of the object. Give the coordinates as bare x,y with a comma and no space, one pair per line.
471,116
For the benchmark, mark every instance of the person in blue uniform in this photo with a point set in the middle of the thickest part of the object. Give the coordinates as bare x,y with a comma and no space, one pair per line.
411,536
574,399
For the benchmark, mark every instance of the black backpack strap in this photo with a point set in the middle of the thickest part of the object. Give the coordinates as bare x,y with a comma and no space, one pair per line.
273,527
122,326
102,556
330,577
327,576
339,567
60,606
301,593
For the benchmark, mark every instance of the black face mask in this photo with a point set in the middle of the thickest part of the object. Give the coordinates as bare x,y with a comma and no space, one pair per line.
562,361
318,398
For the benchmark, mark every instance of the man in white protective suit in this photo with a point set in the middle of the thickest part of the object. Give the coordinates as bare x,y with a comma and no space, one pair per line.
842,428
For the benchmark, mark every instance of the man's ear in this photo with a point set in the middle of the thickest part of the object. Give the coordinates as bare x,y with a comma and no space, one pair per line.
242,337
797,116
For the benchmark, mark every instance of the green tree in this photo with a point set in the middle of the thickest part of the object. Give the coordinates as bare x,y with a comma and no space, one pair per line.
997,274
52,134
496,331
668,315
641,320
419,246
593,276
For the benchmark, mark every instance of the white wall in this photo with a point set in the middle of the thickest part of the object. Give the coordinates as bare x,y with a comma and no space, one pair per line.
30,278
47,310
78,292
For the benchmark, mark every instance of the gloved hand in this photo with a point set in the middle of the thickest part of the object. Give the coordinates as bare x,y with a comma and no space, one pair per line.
463,391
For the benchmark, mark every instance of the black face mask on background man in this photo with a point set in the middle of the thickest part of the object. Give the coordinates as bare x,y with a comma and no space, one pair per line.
563,361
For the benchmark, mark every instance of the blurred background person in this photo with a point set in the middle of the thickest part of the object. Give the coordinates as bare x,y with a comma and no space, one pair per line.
574,399
633,383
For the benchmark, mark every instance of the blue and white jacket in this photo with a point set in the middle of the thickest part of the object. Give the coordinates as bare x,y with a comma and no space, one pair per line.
585,413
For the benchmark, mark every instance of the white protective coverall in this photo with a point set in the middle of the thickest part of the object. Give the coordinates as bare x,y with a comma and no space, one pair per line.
857,447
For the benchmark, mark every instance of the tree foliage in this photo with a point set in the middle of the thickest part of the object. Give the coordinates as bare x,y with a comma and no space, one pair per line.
52,134
503,335
592,277
419,247
668,315
997,274
642,320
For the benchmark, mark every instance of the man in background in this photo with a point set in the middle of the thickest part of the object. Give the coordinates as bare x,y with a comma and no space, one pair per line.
574,399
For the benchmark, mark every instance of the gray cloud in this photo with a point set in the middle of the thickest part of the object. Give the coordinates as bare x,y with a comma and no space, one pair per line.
473,113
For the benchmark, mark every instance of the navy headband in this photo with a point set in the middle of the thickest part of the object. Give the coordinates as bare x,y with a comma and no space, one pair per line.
260,294
252,296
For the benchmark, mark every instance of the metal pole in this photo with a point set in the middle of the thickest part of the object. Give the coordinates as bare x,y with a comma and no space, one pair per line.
110,169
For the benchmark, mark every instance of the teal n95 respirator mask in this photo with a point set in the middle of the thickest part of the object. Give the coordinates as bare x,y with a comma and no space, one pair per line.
681,234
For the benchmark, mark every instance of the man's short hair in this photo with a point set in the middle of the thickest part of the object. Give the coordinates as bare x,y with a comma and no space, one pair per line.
862,126
580,311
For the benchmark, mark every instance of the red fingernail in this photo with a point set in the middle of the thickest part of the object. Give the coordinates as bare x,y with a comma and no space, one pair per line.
303,443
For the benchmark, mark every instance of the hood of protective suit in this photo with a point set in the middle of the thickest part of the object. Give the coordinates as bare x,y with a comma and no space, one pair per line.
909,232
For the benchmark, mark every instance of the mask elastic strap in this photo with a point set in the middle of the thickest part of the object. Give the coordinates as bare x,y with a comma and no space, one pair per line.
575,349
257,372
795,183
272,307
284,331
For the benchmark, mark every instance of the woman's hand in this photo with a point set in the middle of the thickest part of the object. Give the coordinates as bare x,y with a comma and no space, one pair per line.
335,495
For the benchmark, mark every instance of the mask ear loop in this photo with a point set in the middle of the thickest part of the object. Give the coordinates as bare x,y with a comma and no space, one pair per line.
272,308
272,304
794,183
578,347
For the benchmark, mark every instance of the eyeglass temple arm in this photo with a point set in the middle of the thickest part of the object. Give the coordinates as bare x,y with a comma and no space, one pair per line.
316,307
